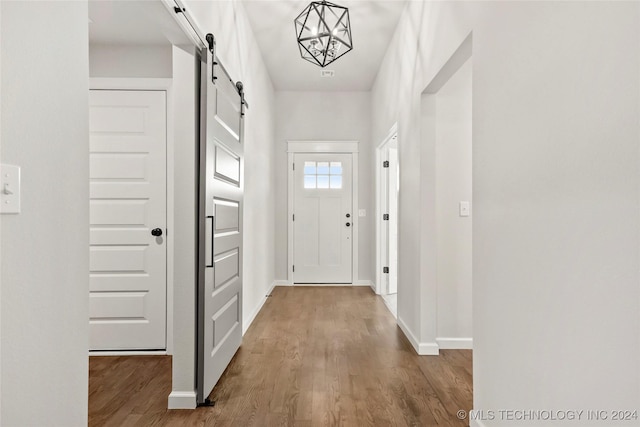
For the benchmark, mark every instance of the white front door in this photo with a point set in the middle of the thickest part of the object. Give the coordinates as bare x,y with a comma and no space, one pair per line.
127,285
323,219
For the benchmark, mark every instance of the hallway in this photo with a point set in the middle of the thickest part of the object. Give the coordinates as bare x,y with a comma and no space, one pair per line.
313,356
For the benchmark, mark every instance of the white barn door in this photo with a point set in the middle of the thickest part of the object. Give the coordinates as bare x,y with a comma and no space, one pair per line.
221,197
127,285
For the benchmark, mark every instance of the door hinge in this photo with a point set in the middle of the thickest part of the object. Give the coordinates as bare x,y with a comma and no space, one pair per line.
385,270
385,164
385,217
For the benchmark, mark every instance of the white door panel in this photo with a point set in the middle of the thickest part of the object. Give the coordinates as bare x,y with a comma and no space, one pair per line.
393,221
221,197
127,285
323,220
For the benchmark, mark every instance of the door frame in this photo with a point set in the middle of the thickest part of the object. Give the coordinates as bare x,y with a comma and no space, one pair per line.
317,147
163,85
381,192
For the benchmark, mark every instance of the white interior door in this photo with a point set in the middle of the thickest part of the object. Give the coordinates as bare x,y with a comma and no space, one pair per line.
323,218
222,185
127,285
392,190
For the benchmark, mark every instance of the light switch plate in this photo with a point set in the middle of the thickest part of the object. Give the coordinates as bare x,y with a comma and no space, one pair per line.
9,189
464,209
362,212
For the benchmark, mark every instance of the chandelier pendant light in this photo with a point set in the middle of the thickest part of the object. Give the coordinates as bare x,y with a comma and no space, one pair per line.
323,31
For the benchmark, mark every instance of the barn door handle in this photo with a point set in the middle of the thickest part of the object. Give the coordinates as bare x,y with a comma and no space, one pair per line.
156,232
209,242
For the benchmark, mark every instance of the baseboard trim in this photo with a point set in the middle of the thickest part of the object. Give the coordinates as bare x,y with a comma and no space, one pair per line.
100,353
422,348
455,343
182,400
326,285
245,325
364,283
476,423
356,283
282,283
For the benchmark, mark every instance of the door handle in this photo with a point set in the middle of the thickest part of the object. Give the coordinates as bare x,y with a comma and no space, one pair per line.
348,224
208,251
156,232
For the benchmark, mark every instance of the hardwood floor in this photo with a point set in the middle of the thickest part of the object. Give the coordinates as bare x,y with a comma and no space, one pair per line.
313,357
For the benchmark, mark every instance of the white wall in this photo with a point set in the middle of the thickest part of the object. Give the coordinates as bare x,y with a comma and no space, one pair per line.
453,233
556,302
130,61
0,220
185,227
45,259
237,48
326,116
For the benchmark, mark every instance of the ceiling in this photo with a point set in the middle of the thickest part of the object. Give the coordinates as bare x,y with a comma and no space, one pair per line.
372,24
129,22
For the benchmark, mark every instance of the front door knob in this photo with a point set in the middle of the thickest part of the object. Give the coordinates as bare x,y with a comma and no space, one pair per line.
156,232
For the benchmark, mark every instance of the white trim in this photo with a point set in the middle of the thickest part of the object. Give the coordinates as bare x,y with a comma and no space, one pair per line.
393,131
322,147
185,22
182,400
422,348
476,423
347,147
327,285
94,353
380,191
252,317
290,191
129,83
355,244
170,216
163,85
455,343
368,283
282,283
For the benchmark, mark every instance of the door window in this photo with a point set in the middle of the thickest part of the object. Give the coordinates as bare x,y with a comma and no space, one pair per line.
323,175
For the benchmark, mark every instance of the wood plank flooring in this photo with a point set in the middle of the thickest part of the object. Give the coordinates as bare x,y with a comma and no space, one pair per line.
314,356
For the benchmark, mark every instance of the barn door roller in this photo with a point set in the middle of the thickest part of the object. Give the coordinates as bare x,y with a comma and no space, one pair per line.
211,41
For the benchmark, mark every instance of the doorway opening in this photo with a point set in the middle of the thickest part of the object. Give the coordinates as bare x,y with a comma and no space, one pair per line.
446,182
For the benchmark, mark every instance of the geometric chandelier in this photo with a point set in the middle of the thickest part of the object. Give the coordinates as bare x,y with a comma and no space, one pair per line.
323,31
